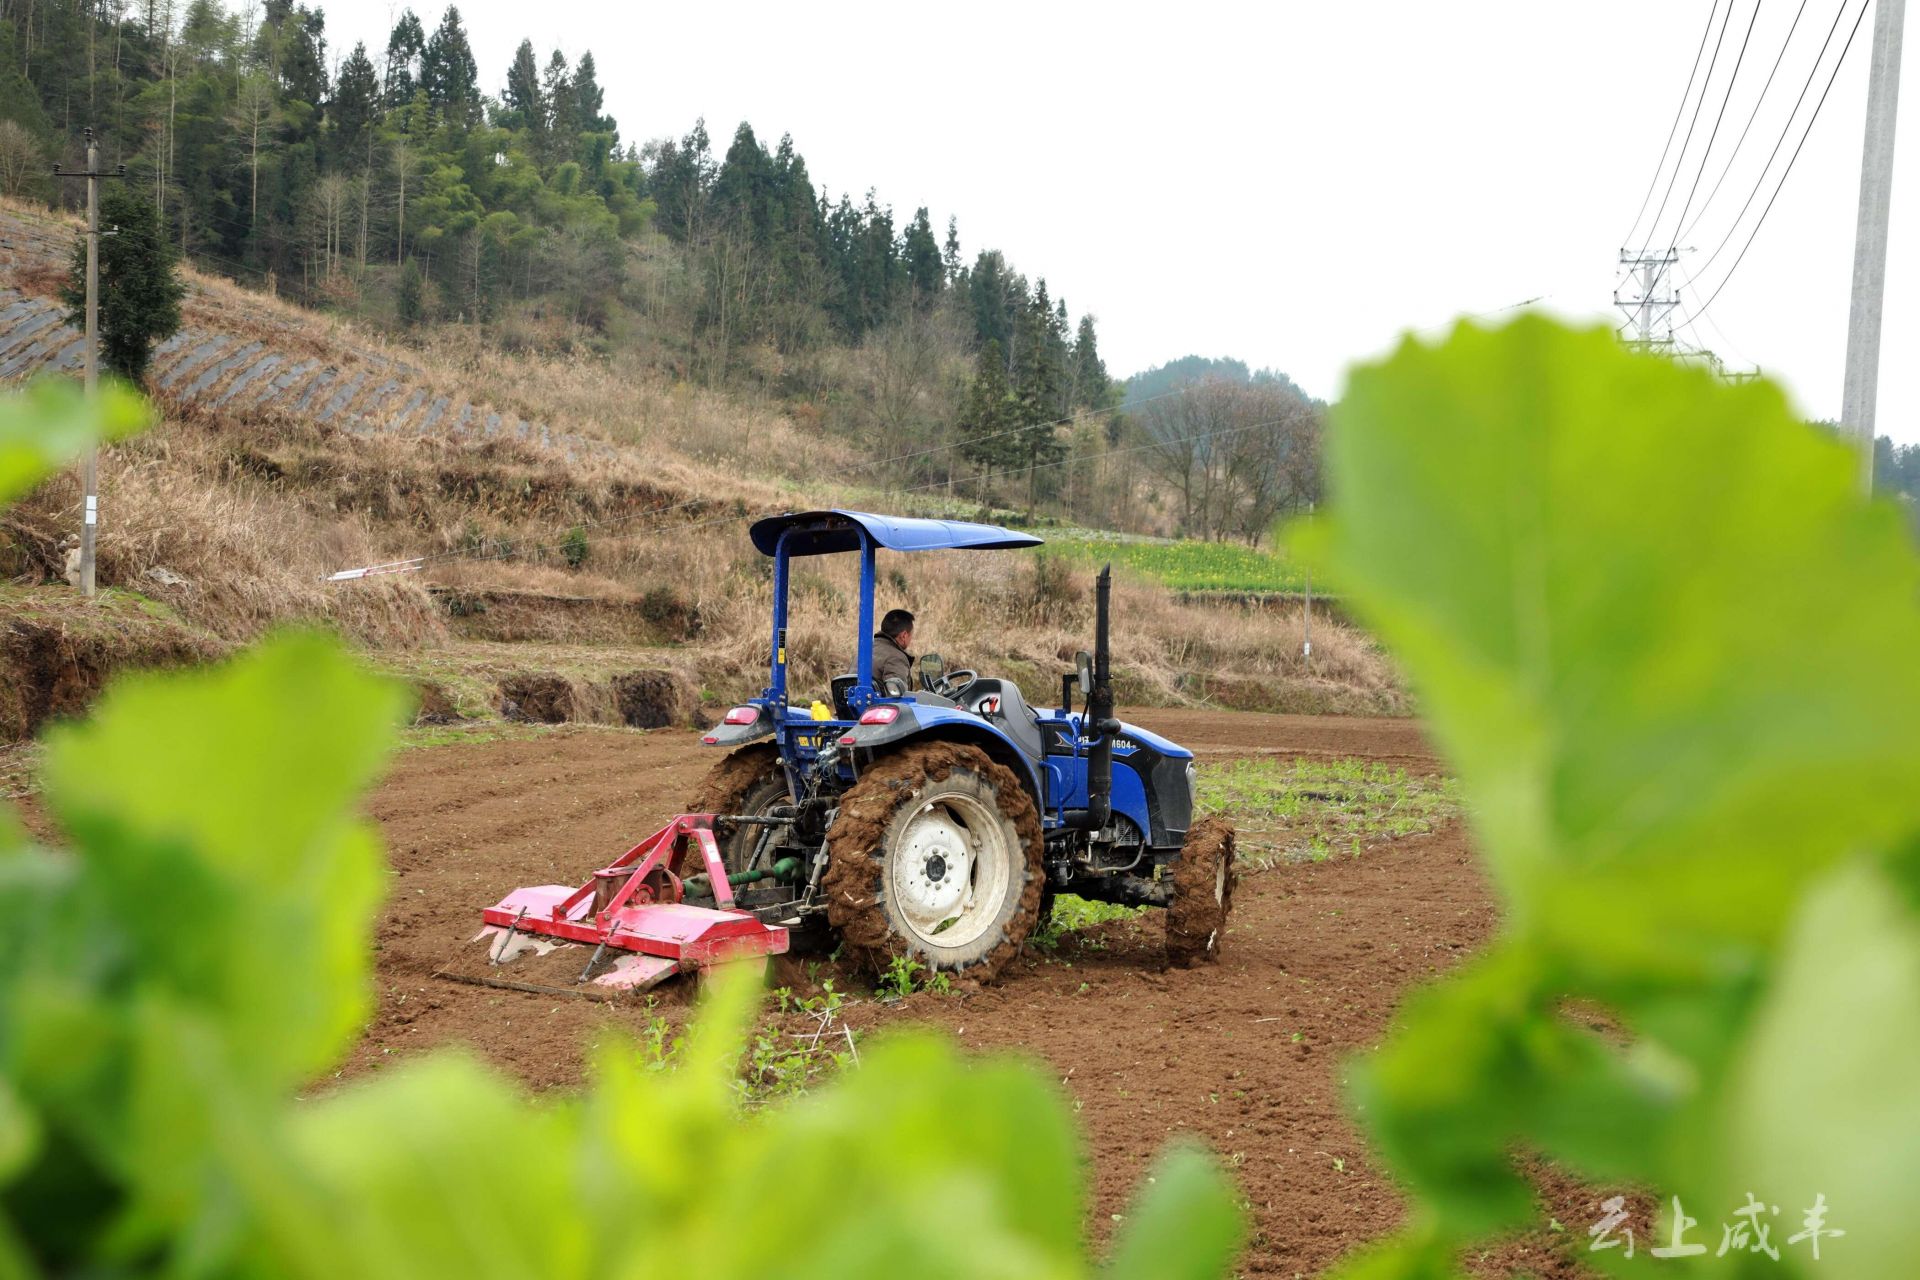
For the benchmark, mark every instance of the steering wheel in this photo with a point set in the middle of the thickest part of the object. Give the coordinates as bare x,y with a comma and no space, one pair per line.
951,682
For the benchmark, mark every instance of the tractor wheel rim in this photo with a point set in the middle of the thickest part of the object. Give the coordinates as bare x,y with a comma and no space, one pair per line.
951,872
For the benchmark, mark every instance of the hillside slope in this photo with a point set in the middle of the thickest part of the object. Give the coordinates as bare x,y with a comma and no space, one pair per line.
584,534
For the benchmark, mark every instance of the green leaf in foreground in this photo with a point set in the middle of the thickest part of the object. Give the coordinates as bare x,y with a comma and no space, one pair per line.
49,425
1670,653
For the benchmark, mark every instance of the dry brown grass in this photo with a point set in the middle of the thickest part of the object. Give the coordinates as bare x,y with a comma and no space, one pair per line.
708,437
234,561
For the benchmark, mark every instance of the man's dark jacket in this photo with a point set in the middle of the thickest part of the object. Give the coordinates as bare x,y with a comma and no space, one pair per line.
891,662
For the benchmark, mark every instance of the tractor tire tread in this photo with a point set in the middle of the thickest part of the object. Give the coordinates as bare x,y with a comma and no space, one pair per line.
1196,921
855,875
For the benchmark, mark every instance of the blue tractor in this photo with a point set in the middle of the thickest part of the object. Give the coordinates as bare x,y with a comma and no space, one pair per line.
939,821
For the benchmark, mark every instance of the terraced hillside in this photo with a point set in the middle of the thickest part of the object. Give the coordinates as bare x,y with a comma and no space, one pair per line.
247,356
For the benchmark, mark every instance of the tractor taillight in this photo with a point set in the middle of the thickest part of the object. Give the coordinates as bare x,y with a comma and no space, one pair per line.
742,715
880,715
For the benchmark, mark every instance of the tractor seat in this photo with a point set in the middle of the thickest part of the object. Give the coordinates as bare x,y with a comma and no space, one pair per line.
1001,702
839,688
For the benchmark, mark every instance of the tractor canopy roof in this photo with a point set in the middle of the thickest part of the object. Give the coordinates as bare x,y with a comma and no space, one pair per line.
824,532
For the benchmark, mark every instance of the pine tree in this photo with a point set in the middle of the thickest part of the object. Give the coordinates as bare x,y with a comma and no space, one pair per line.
303,64
1092,387
682,174
920,254
743,189
876,266
990,414
589,100
988,286
140,290
563,116
404,47
525,102
355,101
950,253
449,74
1036,388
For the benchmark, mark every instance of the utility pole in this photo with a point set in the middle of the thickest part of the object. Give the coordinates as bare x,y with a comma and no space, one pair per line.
1650,299
1861,395
1306,612
89,466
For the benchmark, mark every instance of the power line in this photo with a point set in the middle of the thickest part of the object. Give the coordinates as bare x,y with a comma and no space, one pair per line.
1814,119
1700,102
1812,74
1675,128
1683,287
1751,118
1725,98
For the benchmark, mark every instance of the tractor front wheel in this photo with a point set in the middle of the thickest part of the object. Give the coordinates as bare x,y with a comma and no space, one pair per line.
935,853
1203,881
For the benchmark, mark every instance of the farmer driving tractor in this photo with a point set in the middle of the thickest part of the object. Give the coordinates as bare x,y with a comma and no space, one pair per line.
891,658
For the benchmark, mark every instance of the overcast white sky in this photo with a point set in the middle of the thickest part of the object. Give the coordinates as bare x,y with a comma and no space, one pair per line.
1290,183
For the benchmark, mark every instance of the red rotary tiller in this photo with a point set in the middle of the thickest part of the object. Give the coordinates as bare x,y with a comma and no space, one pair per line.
634,906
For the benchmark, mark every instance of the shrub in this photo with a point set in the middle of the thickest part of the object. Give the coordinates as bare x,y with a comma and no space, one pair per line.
574,548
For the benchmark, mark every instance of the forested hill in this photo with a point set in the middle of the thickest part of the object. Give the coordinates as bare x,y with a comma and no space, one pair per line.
502,210
1151,384
410,183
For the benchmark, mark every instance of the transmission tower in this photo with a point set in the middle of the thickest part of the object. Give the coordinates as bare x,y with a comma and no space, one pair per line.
1648,297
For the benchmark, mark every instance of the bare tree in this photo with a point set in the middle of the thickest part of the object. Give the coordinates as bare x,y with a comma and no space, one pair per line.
21,156
253,108
1239,454
915,365
331,197
1187,432
729,266
405,159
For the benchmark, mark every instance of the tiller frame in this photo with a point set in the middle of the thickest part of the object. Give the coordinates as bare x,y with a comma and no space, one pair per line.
636,905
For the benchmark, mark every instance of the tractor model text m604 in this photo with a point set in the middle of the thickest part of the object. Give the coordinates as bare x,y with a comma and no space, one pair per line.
937,822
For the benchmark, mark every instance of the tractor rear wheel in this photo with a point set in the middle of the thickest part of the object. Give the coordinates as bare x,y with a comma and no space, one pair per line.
1203,882
750,781
935,853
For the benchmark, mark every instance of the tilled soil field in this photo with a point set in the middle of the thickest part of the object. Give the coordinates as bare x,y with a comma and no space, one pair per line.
1247,1054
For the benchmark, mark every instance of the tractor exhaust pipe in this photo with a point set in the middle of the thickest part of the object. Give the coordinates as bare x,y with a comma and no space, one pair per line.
1100,708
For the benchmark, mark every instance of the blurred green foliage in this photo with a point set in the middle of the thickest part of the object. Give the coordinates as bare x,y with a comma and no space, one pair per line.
200,953
1671,653
49,424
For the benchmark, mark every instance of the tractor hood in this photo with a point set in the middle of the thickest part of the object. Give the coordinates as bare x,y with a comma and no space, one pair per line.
825,532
